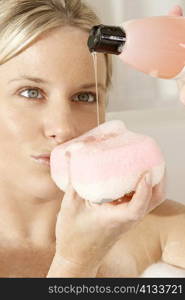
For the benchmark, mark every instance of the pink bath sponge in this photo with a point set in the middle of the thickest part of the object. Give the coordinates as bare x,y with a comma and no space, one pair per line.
106,162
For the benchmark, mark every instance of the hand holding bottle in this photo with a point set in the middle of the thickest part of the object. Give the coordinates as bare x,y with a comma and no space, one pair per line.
176,11
153,45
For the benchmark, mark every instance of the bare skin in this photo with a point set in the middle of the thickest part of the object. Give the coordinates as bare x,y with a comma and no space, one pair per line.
30,200
152,244
42,230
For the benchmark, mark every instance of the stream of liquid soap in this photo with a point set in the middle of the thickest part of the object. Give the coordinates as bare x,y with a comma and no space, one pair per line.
94,55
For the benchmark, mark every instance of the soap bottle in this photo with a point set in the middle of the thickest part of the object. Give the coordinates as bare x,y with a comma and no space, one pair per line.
153,45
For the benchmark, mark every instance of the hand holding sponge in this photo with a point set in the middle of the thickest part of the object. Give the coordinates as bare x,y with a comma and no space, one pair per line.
106,162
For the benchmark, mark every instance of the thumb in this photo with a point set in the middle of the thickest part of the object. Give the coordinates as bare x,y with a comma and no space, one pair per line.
71,199
68,196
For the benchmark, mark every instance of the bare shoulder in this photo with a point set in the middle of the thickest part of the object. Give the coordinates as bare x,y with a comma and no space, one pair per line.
170,216
167,215
169,208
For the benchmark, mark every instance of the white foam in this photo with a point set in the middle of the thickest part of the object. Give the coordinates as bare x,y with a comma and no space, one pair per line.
115,187
161,269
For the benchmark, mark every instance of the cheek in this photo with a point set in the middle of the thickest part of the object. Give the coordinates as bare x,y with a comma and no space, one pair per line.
85,121
15,125
87,116
103,110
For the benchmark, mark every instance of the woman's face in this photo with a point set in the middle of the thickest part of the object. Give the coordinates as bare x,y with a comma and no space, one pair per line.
47,97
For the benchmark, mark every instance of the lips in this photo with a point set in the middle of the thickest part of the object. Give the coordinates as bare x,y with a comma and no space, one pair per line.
43,158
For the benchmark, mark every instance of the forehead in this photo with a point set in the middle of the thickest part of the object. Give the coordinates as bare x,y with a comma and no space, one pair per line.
58,52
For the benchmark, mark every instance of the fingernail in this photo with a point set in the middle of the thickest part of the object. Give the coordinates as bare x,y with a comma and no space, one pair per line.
148,179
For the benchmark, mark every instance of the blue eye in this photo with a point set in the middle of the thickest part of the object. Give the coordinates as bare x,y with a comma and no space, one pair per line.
85,97
31,93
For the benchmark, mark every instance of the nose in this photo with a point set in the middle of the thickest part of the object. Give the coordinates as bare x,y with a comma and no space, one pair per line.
59,124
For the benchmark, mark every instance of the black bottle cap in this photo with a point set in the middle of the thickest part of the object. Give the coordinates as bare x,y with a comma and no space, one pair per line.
106,39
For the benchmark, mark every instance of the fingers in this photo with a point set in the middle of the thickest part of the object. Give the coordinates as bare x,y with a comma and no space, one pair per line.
140,201
71,199
158,193
136,208
125,198
176,11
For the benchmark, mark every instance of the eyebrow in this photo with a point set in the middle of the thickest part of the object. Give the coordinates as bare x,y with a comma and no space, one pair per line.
34,79
43,81
92,85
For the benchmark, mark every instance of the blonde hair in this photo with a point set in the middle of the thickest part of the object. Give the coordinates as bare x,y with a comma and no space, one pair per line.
22,21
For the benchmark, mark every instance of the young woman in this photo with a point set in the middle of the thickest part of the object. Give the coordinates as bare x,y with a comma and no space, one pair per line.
47,97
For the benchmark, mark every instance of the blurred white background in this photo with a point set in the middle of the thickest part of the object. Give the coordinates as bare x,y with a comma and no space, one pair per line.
132,89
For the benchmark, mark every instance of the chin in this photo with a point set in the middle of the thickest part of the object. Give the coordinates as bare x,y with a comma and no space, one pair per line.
43,188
